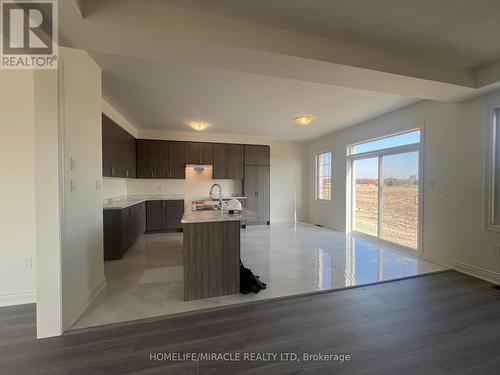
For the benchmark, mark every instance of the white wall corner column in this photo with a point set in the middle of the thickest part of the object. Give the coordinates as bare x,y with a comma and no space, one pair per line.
47,205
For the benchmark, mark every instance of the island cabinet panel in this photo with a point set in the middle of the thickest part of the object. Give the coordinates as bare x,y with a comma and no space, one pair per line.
228,161
121,229
211,259
118,150
256,187
257,155
164,215
199,153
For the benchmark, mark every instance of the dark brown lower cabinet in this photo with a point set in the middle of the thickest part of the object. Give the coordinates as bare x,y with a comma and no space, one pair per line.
163,216
155,216
122,228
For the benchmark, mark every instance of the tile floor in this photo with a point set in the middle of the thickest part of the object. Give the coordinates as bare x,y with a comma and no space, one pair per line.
290,258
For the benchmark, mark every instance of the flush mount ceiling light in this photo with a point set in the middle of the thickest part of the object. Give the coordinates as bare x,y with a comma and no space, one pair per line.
303,119
198,125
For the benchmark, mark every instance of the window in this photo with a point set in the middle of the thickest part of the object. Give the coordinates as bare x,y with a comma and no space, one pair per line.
403,139
324,176
384,196
493,185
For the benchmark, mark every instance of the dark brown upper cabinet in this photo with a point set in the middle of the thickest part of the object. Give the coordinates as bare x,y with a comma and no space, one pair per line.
152,159
160,159
257,155
228,162
199,153
118,150
176,160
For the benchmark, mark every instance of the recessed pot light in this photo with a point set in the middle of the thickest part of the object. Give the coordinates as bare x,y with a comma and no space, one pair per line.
303,119
198,125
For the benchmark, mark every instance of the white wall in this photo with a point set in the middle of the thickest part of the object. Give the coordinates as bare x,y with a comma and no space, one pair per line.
48,198
117,117
114,187
17,191
453,176
82,260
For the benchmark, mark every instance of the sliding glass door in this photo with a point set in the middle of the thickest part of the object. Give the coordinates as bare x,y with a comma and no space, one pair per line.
399,216
365,196
385,190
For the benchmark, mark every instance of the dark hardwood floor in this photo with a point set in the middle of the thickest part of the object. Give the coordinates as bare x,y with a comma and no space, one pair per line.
444,323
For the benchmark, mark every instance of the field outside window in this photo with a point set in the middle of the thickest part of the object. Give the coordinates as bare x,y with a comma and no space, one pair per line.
324,176
385,189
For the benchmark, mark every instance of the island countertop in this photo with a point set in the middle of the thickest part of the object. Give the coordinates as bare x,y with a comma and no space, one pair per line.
209,216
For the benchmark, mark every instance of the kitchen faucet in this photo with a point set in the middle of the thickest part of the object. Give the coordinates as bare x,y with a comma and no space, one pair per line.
220,194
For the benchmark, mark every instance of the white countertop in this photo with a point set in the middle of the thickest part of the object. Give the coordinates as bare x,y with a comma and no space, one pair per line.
124,202
209,216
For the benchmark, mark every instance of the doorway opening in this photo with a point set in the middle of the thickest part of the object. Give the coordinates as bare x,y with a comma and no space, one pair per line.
384,199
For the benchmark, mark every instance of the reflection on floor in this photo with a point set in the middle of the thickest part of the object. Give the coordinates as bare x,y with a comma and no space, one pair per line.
291,259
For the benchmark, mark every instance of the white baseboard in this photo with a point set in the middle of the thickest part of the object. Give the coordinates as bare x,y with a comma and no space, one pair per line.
17,299
489,276
94,292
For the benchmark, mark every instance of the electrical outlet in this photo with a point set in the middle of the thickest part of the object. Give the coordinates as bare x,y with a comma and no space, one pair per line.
72,187
98,185
29,262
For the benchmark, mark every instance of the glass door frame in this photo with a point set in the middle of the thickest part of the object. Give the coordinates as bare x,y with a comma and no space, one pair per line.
379,154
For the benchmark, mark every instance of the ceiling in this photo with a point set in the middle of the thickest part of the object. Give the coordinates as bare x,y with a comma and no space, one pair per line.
250,66
457,32
156,95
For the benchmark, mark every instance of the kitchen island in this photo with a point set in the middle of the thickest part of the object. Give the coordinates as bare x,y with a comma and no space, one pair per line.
212,253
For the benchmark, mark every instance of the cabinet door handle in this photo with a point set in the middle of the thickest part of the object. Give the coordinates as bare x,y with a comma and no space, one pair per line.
112,171
256,193
152,175
126,173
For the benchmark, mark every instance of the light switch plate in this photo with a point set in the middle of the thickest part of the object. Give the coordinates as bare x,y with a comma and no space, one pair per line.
72,164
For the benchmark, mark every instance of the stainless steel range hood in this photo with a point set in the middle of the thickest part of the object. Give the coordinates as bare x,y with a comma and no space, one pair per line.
199,167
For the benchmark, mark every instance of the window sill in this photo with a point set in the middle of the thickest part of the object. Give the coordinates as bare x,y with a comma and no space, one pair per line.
492,228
